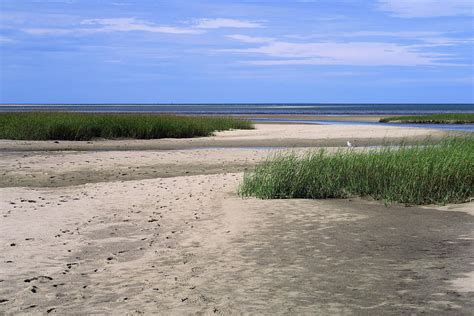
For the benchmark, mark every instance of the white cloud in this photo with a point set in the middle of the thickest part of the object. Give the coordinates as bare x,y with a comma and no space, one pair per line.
428,38
432,79
443,41
4,39
225,23
48,31
132,24
399,34
250,39
333,53
415,35
345,74
113,25
427,8
121,4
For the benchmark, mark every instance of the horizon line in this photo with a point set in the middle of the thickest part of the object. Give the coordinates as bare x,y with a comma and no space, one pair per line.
235,103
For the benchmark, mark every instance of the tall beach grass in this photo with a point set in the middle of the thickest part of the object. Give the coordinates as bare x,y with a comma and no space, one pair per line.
421,174
85,126
446,118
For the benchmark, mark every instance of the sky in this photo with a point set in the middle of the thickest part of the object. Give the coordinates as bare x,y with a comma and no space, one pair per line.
249,51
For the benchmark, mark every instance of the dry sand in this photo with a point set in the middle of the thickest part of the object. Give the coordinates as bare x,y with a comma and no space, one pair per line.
163,232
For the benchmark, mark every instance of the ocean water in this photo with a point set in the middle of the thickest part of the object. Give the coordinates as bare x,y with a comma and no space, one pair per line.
270,109
239,109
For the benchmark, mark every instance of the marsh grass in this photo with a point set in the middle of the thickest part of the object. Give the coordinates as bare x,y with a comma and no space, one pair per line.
421,174
456,118
84,126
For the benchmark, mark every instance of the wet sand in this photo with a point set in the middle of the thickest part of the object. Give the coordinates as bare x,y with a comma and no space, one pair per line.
339,118
164,232
265,135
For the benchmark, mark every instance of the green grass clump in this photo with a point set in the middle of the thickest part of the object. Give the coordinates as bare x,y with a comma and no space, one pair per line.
421,174
432,119
84,126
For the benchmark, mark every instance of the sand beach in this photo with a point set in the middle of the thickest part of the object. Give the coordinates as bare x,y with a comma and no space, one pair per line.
157,227
236,157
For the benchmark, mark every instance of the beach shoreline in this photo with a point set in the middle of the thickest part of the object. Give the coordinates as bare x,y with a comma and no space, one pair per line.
121,226
265,135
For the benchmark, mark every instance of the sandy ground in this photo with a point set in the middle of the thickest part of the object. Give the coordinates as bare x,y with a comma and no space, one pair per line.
164,232
265,135
340,118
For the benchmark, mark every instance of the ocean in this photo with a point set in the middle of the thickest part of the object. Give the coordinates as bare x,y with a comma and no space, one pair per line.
270,109
240,109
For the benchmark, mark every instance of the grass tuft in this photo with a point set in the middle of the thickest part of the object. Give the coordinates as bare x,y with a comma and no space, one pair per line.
421,174
464,118
85,126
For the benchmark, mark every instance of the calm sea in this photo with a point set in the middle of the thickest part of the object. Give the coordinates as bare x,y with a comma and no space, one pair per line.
237,109
269,109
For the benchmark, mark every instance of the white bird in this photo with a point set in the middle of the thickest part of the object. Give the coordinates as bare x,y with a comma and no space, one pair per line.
349,144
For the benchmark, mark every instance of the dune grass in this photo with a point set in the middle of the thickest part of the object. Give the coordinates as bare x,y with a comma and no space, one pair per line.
85,126
457,118
421,174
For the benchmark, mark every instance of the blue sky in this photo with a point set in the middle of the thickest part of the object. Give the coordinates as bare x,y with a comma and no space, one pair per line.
162,51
